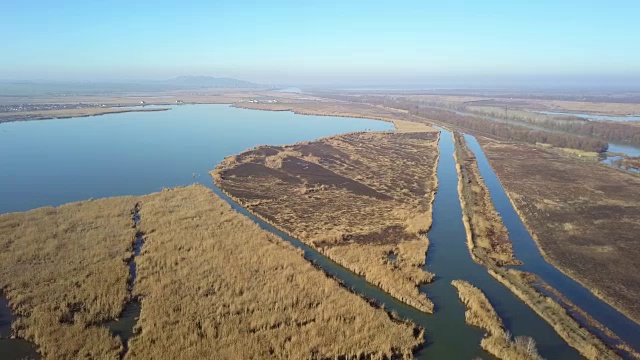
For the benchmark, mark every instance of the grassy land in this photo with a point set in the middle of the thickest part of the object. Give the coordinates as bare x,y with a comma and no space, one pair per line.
590,346
64,271
489,238
213,285
68,113
630,163
498,341
482,221
363,199
585,217
323,107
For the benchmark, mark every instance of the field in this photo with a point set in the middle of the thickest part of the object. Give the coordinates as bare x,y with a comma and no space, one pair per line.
212,285
363,199
585,217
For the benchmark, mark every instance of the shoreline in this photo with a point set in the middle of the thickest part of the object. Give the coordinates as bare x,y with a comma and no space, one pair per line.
595,291
39,116
558,315
420,302
373,117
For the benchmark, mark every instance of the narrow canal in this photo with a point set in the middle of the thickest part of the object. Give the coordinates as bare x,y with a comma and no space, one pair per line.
447,334
124,326
527,251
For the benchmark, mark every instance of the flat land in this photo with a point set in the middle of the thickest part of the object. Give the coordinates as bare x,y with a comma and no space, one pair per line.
489,238
64,271
631,163
600,107
325,107
68,113
212,284
584,216
363,199
490,246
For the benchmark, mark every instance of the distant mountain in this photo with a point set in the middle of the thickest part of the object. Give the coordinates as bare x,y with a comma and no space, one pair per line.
212,82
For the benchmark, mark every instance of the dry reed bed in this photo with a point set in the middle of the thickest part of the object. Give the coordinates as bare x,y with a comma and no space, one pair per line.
585,217
497,341
570,330
489,237
68,113
518,282
64,271
359,198
214,285
402,120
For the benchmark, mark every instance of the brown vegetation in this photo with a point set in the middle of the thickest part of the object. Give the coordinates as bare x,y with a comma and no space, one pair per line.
585,217
498,341
64,271
629,163
476,203
214,285
575,335
445,113
618,131
323,107
489,238
363,199
68,113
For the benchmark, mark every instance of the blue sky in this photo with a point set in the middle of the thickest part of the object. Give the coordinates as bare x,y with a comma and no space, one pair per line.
319,41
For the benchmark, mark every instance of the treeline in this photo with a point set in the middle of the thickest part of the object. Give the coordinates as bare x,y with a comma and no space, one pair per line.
511,132
479,124
610,131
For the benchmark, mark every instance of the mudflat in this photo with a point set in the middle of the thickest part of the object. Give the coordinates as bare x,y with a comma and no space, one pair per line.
363,199
584,216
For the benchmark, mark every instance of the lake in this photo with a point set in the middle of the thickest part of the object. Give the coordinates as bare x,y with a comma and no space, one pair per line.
57,161
52,162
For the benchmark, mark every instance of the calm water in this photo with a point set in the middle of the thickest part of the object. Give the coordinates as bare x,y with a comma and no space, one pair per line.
447,334
526,250
57,161
594,117
54,162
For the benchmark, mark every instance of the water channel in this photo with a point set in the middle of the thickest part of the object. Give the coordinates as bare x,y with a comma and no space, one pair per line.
54,162
527,251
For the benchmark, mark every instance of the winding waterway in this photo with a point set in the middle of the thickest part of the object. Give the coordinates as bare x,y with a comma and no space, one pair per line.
55,162
527,251
124,326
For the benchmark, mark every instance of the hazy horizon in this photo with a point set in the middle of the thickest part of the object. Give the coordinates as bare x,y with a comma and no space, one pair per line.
328,43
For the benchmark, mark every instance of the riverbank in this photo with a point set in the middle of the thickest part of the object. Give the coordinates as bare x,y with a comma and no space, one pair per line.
78,277
69,113
498,341
481,220
487,237
589,238
362,199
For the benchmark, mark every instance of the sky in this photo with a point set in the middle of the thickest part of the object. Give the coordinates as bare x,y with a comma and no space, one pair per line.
320,42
